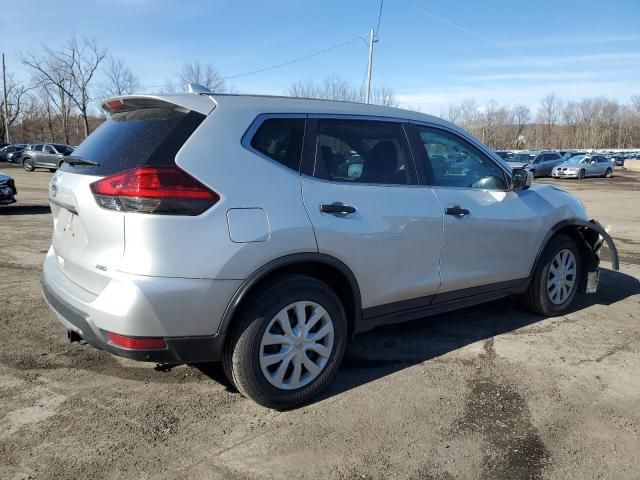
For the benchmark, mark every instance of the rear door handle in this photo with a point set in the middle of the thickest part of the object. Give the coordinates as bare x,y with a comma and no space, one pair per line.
337,207
457,211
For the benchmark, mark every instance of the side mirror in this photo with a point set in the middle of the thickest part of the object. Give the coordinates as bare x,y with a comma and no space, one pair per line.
521,179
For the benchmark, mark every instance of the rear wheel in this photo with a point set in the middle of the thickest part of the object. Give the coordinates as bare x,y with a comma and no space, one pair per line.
581,175
555,279
288,343
608,173
27,164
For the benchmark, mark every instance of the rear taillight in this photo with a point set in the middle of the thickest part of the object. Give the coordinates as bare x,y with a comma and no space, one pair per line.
161,190
136,343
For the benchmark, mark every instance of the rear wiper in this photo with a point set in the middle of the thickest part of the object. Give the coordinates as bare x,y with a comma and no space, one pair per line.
72,160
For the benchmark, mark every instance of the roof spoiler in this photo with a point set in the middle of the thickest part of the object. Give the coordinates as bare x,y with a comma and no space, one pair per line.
198,89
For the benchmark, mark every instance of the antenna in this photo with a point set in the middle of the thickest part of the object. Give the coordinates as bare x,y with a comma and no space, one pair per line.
198,89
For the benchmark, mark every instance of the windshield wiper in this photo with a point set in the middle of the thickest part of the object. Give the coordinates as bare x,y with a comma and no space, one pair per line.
72,160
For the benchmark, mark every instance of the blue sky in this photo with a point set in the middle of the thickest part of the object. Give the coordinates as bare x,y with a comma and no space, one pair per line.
431,53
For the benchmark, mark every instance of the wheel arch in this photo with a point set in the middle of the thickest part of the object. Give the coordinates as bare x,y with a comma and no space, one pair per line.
589,237
326,268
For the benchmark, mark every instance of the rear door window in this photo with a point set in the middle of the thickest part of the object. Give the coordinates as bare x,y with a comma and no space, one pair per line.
362,151
281,140
148,136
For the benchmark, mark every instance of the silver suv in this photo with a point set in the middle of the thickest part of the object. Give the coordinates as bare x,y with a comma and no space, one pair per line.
44,155
266,232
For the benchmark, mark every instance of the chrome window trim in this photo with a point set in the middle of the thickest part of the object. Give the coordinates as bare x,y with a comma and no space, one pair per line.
257,123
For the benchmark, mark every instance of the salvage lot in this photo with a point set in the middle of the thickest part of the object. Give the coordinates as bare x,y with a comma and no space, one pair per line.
486,392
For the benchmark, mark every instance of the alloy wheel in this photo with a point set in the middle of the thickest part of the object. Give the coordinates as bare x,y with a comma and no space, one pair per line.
296,345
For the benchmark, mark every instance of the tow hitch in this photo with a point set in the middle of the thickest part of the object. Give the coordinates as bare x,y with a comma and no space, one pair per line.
73,336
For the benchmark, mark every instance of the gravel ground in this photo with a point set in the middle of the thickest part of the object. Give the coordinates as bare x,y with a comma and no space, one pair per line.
488,392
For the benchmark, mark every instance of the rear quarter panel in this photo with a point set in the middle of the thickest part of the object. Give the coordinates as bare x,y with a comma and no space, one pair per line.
200,246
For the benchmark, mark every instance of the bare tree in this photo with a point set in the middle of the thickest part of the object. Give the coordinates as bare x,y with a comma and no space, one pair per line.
384,96
335,87
521,116
304,89
203,74
549,116
120,80
16,94
76,64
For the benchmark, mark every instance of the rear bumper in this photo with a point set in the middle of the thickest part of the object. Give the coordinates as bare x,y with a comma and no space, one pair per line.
178,350
178,310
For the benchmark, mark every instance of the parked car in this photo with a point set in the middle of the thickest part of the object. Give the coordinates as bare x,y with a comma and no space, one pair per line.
8,190
45,155
193,228
9,152
582,166
504,154
617,159
538,163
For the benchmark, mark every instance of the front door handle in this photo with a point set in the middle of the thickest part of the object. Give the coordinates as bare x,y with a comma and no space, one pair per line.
457,211
337,207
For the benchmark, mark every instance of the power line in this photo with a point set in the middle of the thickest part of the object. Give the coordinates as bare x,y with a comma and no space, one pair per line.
280,65
296,60
379,17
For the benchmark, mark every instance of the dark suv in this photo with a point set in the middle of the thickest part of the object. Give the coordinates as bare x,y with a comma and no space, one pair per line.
45,155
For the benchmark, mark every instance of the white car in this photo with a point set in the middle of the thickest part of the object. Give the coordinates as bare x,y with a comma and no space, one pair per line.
265,232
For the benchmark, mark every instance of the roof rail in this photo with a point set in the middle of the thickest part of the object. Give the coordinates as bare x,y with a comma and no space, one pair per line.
198,89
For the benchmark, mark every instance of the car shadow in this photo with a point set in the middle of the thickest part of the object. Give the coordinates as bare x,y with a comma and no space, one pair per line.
388,349
372,355
25,210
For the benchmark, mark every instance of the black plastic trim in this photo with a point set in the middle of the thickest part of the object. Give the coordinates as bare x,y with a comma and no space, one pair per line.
577,222
285,261
179,349
421,307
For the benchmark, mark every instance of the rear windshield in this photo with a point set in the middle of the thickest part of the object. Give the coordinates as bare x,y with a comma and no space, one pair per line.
135,138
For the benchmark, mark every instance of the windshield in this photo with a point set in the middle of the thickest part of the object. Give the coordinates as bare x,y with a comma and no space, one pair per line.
569,155
521,158
578,159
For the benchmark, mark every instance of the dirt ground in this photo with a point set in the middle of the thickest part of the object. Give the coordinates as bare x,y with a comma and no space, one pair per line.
489,392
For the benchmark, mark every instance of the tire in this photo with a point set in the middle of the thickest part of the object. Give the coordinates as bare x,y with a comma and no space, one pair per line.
608,173
52,170
245,357
581,175
539,296
27,164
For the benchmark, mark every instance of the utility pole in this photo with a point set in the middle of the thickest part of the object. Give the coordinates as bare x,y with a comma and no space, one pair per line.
6,109
369,67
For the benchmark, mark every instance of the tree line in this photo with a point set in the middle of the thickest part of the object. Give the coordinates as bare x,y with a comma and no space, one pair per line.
60,103
588,123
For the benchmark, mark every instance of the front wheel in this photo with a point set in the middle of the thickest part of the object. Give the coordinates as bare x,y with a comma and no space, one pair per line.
288,343
555,279
27,164
581,175
608,173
